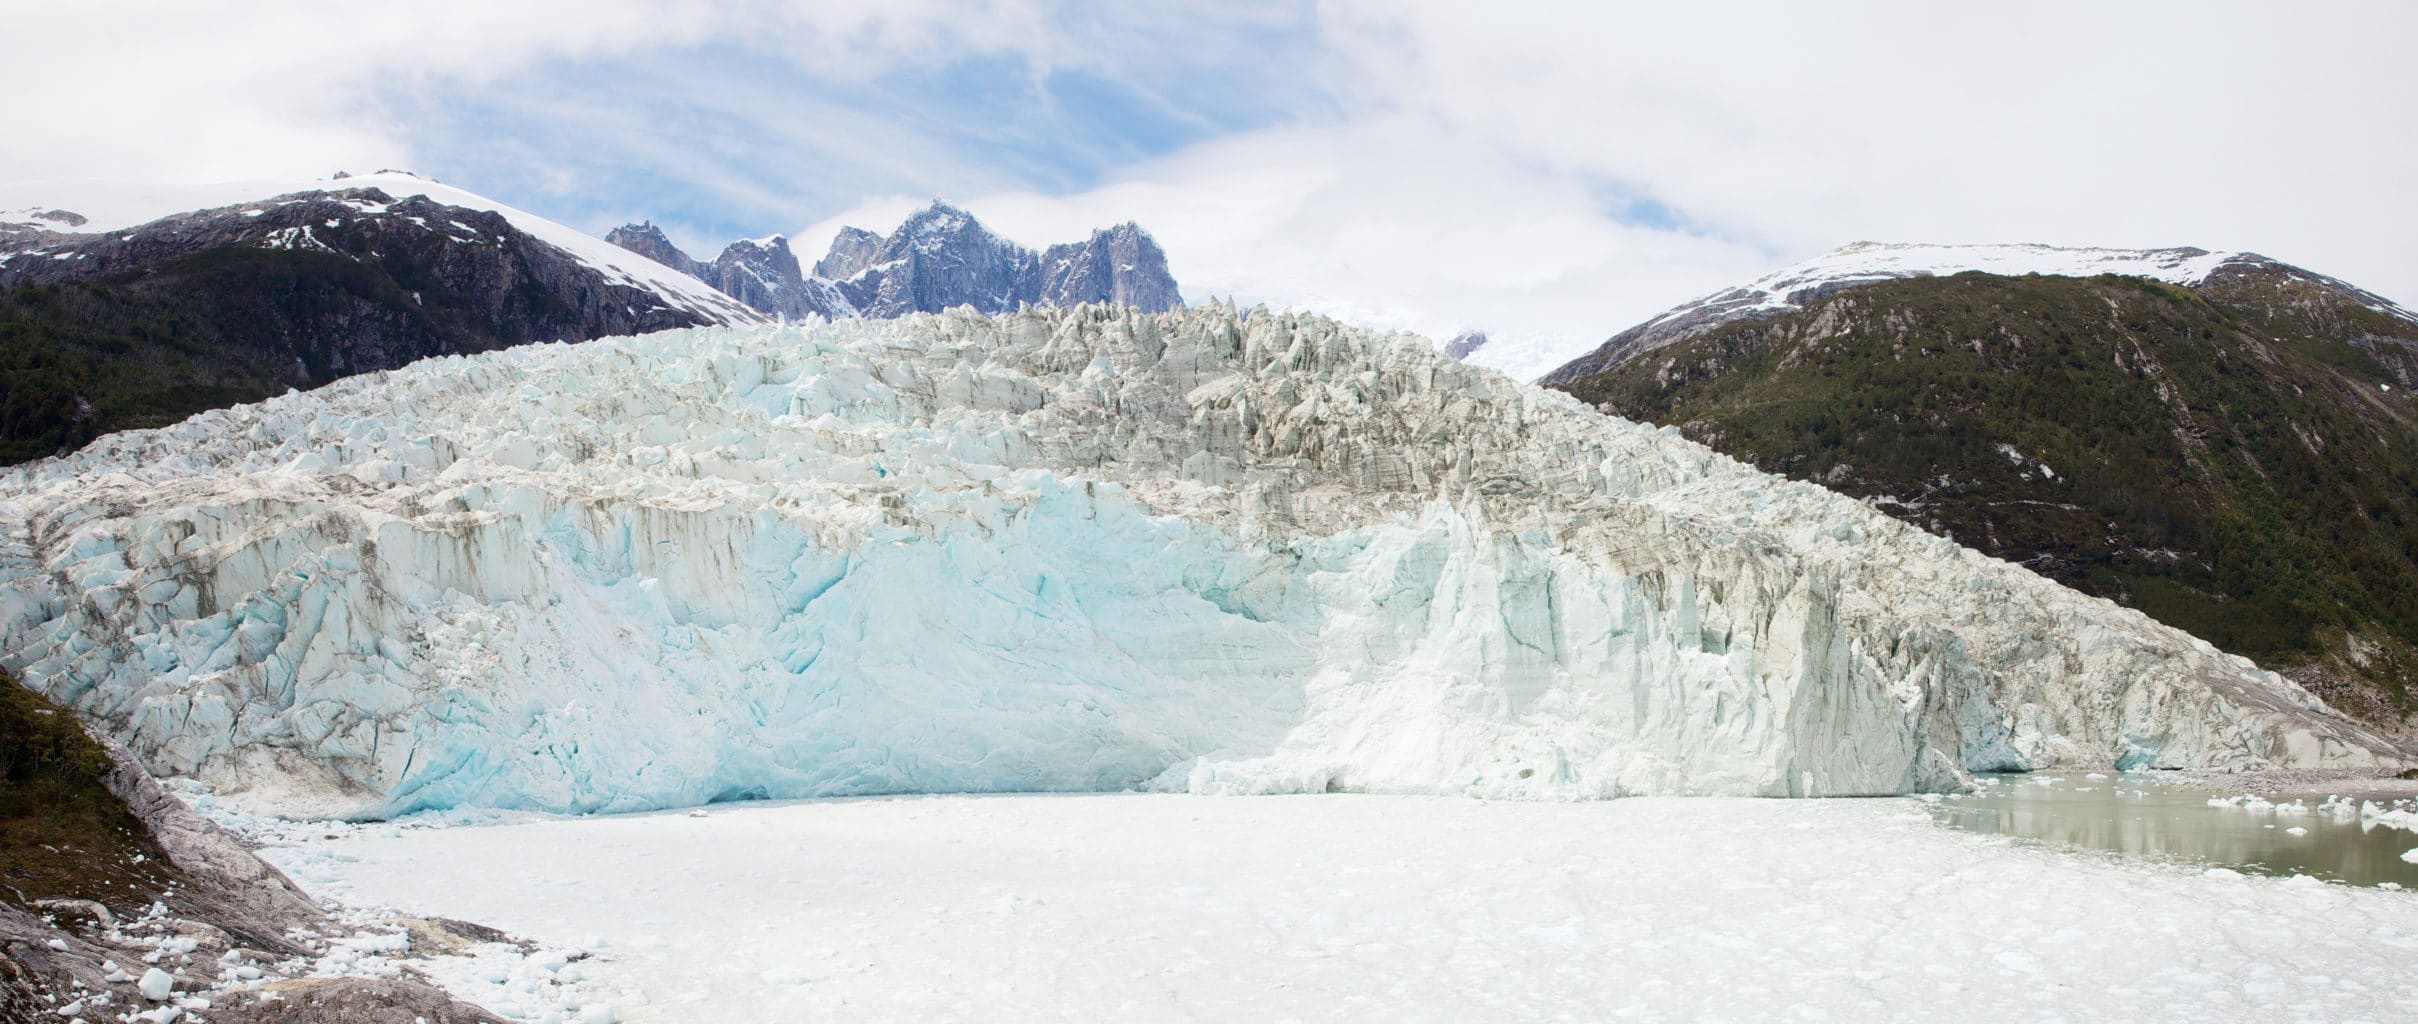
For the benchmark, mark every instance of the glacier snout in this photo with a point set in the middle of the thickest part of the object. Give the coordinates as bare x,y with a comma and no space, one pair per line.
1061,549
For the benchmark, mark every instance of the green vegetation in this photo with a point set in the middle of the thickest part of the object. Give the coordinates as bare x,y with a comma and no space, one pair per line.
82,359
62,833
238,323
2226,462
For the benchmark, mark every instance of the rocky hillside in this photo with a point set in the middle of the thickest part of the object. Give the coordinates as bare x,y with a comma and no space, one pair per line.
940,258
2233,449
115,320
119,903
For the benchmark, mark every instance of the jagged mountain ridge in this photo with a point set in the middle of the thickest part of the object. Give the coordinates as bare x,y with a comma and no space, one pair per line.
1056,549
132,318
941,257
2221,439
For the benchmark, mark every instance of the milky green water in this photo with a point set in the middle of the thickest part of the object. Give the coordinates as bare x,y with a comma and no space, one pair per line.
2133,813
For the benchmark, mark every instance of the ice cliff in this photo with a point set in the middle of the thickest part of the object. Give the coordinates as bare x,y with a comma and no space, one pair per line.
1060,549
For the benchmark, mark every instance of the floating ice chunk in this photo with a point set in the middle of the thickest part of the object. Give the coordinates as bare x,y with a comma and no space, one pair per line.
2297,831
596,1013
2096,777
1247,777
2410,855
156,985
2223,873
785,976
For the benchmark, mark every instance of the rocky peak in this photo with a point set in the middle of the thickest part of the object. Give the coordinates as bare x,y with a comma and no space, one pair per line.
852,250
1121,264
1464,343
940,257
938,226
764,273
647,240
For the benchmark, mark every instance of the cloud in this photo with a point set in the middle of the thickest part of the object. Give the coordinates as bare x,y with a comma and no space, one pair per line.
1554,174
1384,222
1548,172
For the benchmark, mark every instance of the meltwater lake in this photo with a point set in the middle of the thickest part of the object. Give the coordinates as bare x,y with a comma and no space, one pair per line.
2346,833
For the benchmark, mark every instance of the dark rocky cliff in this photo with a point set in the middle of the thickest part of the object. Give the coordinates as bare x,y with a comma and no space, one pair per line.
143,327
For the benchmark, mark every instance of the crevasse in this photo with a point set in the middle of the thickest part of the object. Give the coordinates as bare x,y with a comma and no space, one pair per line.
1052,550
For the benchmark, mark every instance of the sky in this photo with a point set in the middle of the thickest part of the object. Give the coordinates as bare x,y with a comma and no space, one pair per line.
1548,173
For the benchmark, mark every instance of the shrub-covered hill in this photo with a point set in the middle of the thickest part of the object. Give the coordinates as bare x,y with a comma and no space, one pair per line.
2238,459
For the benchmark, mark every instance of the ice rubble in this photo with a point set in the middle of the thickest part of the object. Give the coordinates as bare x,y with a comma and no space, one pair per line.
1052,550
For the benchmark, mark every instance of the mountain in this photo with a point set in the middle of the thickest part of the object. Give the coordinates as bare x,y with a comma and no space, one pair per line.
852,250
134,313
1795,286
941,257
1120,264
761,273
1060,549
2222,440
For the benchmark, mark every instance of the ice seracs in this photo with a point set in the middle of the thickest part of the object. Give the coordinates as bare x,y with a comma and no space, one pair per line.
1052,550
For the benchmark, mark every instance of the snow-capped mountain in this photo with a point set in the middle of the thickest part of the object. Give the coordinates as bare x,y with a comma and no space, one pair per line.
1059,549
190,299
941,257
80,230
2227,445
1795,286
1122,264
852,250
761,273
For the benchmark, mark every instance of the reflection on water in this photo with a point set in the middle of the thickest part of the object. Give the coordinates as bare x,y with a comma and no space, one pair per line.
2322,834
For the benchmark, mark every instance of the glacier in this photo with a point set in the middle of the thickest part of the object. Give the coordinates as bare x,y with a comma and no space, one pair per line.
1059,549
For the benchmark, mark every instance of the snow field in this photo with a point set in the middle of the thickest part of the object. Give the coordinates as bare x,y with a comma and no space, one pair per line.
1346,907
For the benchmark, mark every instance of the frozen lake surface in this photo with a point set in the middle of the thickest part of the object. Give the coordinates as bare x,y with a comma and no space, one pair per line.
2321,832
1143,908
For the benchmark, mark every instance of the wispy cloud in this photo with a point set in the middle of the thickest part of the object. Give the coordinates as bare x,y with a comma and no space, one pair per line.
1550,172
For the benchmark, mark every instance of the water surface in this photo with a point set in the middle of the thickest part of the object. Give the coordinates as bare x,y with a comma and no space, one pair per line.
2136,813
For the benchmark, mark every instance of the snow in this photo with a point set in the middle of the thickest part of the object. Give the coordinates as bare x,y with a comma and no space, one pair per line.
1863,262
1346,907
1793,287
1057,550
1882,261
114,206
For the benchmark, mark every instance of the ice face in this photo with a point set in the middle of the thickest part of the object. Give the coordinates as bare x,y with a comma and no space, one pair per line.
1054,550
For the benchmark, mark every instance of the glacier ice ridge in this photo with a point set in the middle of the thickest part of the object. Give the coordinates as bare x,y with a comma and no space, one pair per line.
1058,549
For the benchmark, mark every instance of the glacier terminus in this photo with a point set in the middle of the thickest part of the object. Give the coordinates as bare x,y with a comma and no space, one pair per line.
1086,549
